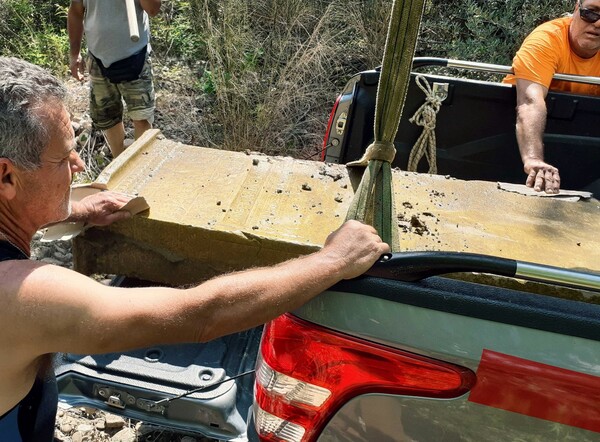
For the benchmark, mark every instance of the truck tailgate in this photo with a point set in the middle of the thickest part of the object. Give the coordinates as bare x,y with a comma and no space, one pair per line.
536,360
133,383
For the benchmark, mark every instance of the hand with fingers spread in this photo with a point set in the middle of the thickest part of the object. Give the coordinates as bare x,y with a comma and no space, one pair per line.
542,176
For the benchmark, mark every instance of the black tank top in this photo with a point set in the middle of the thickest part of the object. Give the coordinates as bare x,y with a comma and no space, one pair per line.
33,418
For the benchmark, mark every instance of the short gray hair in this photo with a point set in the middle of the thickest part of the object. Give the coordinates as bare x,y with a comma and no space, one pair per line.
24,89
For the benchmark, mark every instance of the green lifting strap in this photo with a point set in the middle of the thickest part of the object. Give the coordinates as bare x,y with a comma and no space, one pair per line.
373,202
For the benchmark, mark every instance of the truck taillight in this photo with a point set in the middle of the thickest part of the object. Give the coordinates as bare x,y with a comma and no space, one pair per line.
329,126
306,372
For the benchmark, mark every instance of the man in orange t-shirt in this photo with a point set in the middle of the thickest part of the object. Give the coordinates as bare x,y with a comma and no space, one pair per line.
567,45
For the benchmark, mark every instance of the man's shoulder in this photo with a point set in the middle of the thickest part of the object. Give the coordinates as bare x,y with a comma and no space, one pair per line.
549,37
558,27
14,271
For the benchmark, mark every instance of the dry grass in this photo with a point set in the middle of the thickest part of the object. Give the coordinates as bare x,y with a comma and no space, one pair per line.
274,68
268,75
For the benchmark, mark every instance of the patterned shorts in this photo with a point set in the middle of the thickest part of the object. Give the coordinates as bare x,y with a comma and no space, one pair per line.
106,98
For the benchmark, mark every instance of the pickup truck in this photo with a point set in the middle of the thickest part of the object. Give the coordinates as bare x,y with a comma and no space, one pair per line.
405,352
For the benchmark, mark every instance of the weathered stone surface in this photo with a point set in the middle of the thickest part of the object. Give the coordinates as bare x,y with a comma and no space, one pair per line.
113,421
125,435
66,428
85,428
214,211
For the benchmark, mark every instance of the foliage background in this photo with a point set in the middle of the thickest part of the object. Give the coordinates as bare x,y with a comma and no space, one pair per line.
263,74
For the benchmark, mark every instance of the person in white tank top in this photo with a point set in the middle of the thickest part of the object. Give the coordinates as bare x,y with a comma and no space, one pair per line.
120,69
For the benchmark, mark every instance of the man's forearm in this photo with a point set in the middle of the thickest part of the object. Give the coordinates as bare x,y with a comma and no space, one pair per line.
247,299
75,31
531,122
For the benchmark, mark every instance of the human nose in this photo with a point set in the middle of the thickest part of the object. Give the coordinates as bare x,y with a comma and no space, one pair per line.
77,164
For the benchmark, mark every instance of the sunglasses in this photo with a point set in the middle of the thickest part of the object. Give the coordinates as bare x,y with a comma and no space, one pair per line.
588,15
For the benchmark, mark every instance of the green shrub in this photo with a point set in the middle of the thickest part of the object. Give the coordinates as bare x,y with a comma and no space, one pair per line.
488,31
263,74
173,33
35,31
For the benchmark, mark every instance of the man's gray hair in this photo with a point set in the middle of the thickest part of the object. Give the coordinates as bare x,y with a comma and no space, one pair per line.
24,89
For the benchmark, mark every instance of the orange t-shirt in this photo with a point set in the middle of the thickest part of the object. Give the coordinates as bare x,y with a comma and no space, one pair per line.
547,51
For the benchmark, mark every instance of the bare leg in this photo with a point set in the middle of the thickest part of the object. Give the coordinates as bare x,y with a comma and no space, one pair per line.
140,126
115,136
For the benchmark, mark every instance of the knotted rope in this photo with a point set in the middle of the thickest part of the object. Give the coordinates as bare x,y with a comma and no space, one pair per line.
373,201
377,150
425,116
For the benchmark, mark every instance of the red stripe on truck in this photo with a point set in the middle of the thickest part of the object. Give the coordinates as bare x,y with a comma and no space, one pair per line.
538,390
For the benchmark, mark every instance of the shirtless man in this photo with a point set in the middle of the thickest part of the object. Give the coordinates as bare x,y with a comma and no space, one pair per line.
48,309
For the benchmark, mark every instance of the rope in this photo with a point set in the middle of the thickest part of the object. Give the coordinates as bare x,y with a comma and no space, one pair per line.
425,116
373,201
378,150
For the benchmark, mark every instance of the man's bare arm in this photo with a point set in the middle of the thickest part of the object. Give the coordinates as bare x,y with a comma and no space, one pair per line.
75,30
531,122
52,309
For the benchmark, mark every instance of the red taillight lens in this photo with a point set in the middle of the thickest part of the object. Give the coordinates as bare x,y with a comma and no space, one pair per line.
306,372
329,125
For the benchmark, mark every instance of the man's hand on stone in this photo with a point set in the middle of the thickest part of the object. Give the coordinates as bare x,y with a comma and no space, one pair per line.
542,176
102,208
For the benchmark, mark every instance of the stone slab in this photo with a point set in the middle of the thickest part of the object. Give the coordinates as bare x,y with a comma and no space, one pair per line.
214,211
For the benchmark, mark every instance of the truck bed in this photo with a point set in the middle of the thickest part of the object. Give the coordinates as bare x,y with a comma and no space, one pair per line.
475,130
535,360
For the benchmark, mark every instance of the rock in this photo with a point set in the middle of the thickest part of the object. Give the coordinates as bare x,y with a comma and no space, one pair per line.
144,429
100,425
113,421
125,435
85,428
60,437
52,261
66,428
77,437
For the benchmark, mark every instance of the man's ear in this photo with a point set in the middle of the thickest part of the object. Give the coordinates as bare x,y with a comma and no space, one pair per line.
8,179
